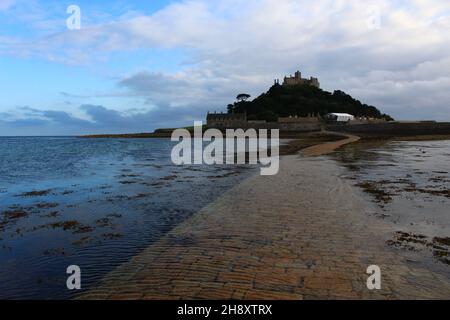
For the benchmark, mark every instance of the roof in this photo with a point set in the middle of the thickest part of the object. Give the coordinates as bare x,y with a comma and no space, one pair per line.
342,114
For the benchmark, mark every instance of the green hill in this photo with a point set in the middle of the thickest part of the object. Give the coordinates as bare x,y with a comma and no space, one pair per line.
302,100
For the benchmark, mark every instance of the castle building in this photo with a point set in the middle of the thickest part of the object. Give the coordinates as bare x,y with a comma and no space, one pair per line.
298,80
226,120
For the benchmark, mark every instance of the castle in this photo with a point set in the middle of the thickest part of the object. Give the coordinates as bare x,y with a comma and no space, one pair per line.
298,80
226,120
239,120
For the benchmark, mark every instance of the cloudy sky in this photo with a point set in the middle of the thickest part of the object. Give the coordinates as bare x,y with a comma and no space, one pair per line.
134,66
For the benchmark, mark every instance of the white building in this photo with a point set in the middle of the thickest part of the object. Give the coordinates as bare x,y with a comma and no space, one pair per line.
339,117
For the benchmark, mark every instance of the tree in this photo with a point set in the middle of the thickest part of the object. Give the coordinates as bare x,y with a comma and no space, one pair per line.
243,97
284,101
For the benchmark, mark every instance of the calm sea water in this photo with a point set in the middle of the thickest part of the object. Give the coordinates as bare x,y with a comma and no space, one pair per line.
92,203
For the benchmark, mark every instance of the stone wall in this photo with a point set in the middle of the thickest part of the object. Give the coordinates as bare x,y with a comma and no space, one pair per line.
224,124
299,120
298,127
394,128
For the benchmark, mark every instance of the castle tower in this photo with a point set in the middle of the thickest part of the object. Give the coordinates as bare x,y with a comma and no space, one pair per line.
298,80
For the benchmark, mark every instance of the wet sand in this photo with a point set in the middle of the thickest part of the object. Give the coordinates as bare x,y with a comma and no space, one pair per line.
328,147
302,234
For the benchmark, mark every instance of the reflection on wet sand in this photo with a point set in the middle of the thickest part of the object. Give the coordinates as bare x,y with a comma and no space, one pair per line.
409,182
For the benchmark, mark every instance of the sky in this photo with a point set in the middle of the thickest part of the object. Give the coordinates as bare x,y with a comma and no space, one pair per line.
133,66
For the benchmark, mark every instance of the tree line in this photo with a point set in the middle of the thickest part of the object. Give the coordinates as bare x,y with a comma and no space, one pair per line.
301,100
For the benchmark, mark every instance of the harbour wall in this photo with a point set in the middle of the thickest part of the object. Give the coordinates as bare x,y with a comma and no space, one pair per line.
394,128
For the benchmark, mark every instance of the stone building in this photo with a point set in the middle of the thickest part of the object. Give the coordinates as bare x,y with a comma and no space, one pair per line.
311,118
298,80
223,121
226,120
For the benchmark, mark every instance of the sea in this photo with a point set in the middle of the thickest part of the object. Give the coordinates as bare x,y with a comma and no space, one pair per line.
93,203
408,182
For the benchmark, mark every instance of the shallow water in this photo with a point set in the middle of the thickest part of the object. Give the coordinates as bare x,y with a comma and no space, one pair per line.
410,184
93,203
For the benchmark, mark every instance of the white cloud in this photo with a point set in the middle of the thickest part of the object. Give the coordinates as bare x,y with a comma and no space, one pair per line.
238,45
6,4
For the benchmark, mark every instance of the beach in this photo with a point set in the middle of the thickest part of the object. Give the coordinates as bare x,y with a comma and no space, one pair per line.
305,233
141,227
